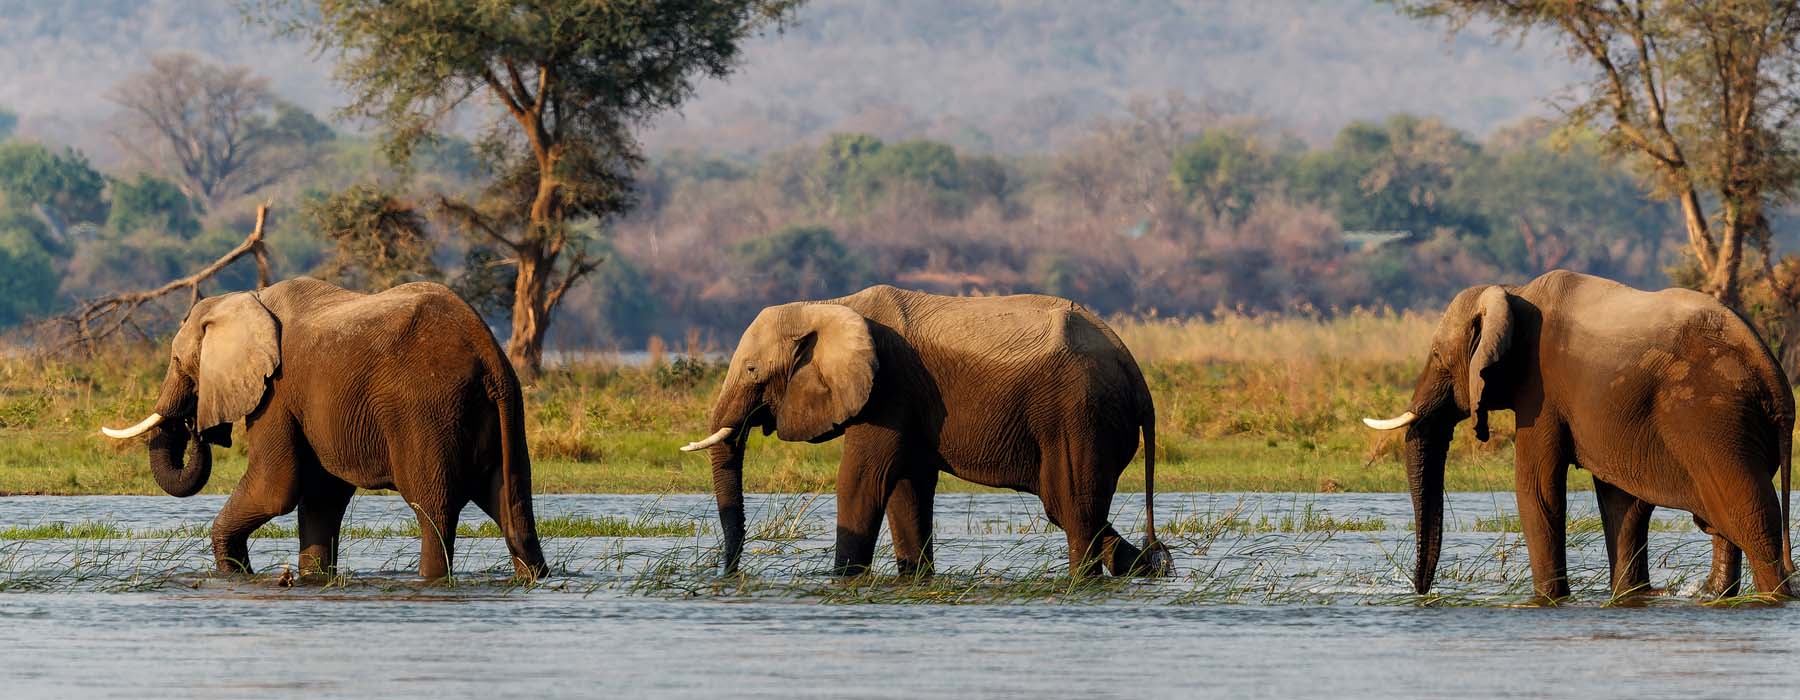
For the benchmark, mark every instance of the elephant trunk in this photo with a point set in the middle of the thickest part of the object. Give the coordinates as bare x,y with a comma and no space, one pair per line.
731,419
728,490
1427,445
178,476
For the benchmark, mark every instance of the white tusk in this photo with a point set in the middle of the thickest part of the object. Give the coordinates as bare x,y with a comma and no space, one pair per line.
135,430
1400,421
710,440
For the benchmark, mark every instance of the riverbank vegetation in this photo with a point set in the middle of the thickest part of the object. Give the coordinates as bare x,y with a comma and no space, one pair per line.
1245,403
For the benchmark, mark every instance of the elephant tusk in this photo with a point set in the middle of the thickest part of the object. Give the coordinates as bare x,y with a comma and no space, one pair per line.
133,431
710,440
1400,421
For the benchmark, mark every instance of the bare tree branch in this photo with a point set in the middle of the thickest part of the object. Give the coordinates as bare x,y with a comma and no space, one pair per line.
98,319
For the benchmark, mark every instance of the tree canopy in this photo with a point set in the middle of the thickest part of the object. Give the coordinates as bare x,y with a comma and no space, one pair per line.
571,80
1700,94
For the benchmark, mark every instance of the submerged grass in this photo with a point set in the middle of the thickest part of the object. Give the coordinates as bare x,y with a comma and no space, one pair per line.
1297,554
548,528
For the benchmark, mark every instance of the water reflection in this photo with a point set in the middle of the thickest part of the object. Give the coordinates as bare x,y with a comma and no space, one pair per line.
1279,596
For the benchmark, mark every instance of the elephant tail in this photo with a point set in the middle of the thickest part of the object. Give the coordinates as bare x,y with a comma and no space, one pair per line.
1150,482
1786,445
1157,561
514,498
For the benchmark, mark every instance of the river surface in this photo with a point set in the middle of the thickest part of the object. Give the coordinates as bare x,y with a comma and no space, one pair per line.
1277,596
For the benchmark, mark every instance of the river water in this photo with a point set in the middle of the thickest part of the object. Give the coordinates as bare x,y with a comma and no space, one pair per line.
1277,595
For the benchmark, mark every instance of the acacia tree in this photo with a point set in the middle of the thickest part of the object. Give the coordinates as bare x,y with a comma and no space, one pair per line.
571,78
1699,93
209,120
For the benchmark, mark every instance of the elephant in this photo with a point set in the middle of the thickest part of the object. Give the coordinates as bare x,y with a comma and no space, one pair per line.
1667,398
403,390
1028,392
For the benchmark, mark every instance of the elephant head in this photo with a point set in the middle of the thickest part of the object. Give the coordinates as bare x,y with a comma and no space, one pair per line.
1468,352
801,371
219,364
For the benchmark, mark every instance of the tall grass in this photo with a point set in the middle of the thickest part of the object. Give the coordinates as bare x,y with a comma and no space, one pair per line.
1358,336
1245,403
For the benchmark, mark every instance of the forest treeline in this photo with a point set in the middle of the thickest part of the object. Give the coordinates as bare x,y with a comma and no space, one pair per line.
1169,209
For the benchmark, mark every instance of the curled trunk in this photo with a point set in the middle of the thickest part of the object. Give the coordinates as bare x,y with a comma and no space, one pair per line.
1427,444
180,477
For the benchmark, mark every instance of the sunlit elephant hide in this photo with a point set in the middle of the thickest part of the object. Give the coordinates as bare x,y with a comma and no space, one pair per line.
1032,393
1667,398
402,390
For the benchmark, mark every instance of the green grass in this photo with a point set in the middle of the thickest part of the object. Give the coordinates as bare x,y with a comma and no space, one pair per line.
1591,523
1244,404
1306,519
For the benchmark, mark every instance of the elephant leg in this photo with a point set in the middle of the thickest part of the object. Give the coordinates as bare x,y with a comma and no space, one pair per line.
437,535
1727,564
1625,519
1092,540
521,533
323,500
909,521
1122,558
1540,475
270,488
1741,508
866,477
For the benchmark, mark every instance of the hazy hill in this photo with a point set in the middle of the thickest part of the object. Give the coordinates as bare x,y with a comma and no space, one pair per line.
1009,74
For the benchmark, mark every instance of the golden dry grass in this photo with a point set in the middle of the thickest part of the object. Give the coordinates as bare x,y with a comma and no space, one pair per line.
1245,403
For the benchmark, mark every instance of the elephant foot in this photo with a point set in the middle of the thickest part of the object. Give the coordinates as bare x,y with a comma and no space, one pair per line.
1542,601
290,578
916,570
1155,561
530,572
849,570
1637,596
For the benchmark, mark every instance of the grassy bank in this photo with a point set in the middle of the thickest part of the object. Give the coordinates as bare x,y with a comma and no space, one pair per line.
1245,404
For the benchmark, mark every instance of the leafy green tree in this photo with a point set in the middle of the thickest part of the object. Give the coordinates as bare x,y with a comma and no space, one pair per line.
151,202
60,187
28,278
378,240
573,78
8,121
1223,171
296,126
799,262
1699,94
839,166
1554,198
1395,175
858,168
990,178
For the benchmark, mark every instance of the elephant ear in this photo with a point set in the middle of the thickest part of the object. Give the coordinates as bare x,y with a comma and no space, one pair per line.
1494,326
833,372
239,350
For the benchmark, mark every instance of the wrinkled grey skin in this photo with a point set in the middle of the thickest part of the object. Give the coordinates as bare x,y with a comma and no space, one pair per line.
1032,393
1668,398
402,390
